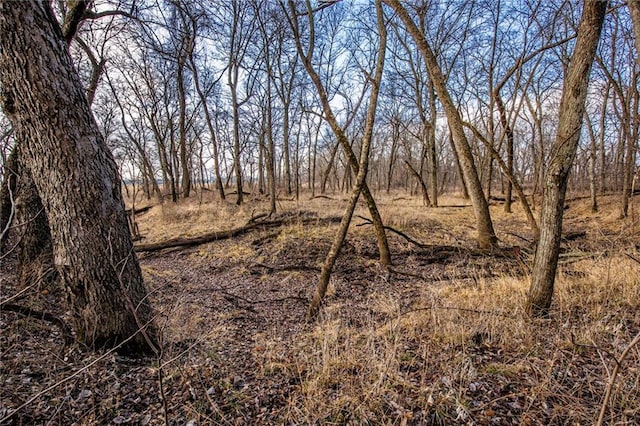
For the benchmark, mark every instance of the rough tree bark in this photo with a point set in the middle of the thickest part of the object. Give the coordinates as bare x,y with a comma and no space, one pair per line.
77,180
572,105
35,254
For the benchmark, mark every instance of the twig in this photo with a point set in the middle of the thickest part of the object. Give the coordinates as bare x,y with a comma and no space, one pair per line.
520,236
612,380
21,292
11,213
408,274
632,257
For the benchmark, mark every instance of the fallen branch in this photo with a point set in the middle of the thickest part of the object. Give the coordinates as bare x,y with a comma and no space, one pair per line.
195,241
44,316
395,231
572,236
231,233
287,267
322,196
632,257
521,237
140,210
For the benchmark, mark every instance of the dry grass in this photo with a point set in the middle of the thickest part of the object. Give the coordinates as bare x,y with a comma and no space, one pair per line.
387,349
466,353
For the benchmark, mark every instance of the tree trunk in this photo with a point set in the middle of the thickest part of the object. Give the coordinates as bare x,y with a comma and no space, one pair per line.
509,134
431,147
486,235
182,131
210,127
77,180
630,152
363,167
574,93
460,173
593,153
271,152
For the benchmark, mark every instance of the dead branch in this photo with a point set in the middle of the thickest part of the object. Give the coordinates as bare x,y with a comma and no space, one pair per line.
520,236
572,236
287,267
322,196
231,233
395,231
612,380
43,316
140,210
632,257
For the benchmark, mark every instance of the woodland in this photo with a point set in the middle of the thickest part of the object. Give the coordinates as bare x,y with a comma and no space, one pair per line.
321,212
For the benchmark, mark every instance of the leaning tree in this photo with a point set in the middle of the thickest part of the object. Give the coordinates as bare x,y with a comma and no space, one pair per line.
76,177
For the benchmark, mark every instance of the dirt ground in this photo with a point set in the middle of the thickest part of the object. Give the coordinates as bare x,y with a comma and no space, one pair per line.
438,338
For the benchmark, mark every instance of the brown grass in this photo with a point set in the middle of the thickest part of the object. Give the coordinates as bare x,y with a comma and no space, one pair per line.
391,349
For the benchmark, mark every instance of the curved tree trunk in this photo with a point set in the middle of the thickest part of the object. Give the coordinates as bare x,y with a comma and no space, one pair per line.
77,180
574,93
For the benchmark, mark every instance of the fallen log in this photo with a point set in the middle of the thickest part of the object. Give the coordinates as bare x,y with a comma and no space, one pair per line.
231,233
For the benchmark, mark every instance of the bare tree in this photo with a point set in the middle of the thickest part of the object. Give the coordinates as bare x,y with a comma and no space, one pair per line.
363,164
339,131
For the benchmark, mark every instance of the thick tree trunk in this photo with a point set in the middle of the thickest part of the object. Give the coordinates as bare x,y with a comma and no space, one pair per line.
562,154
77,180
35,252
460,173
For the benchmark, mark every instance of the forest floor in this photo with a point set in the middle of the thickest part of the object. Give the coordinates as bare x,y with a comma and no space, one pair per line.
438,338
